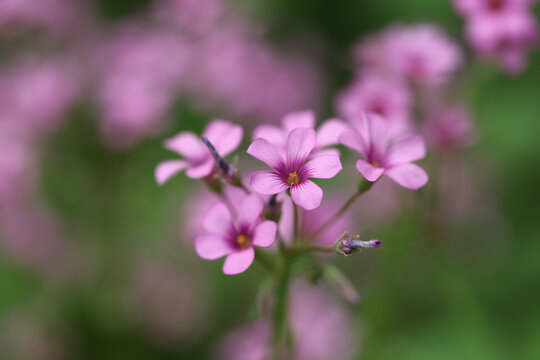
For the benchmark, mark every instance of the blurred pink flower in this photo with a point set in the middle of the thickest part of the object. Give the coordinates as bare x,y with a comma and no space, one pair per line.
386,96
195,16
35,96
234,235
493,8
321,329
327,133
448,126
421,53
234,68
293,170
54,15
199,163
384,154
249,342
139,73
505,38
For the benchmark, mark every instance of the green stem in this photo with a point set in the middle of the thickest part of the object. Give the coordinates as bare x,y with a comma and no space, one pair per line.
299,250
264,261
280,311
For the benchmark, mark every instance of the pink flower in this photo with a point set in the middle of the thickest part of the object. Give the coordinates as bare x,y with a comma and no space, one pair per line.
420,53
250,342
448,126
195,16
491,7
235,236
322,329
326,134
386,96
321,326
383,154
292,168
234,68
504,38
198,161
140,71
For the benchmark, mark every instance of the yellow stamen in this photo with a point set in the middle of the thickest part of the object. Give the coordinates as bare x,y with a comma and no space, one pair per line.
293,178
243,241
376,164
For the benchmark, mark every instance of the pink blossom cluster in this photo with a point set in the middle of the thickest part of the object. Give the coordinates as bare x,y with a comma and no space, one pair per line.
296,153
503,30
404,74
140,74
193,50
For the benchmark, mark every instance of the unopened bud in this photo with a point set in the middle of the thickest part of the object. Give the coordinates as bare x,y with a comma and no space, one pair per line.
272,209
226,168
347,245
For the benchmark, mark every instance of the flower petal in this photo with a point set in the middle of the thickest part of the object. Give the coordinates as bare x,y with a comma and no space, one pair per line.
325,152
405,149
238,261
250,209
299,119
370,172
300,142
267,182
224,135
188,145
329,131
201,170
410,176
379,135
272,133
218,220
167,169
211,246
351,138
265,234
265,151
323,167
307,194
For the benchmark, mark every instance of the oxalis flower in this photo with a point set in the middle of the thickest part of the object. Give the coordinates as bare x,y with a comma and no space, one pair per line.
198,160
234,235
384,155
292,169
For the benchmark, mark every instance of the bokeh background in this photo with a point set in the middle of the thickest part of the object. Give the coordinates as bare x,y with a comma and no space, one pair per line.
96,260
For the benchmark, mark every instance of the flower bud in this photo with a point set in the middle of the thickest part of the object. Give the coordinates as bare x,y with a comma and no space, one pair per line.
347,245
227,169
272,209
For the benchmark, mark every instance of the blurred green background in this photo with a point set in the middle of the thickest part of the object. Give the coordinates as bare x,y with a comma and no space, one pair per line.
473,295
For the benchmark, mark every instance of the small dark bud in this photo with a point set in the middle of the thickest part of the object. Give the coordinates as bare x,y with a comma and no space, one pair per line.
272,209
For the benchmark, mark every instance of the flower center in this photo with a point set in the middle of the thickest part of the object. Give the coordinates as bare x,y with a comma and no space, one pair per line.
378,108
243,241
293,178
496,5
376,164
